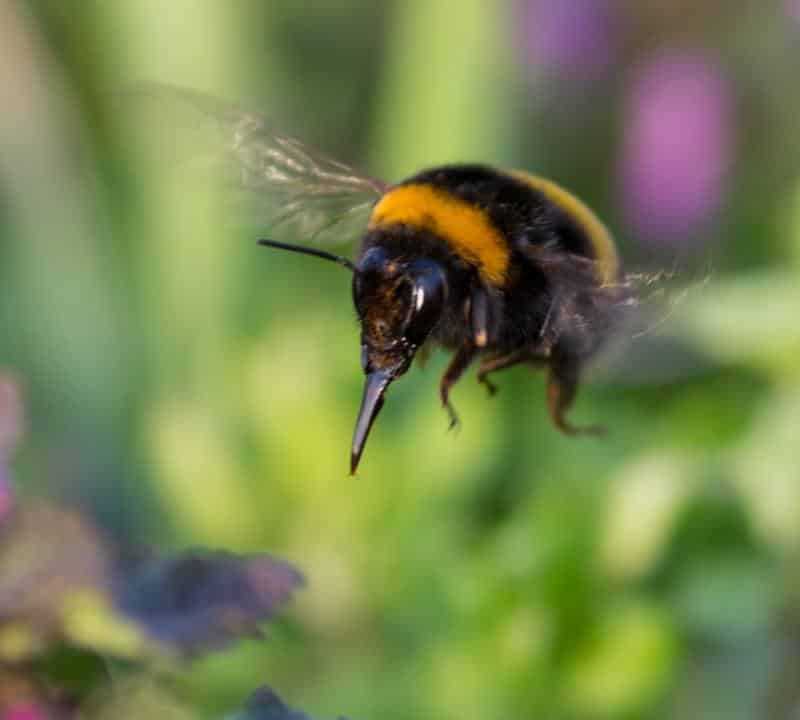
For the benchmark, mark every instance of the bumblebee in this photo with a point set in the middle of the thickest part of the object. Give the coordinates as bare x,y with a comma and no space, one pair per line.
498,267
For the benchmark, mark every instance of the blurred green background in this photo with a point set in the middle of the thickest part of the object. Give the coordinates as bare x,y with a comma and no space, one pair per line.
195,390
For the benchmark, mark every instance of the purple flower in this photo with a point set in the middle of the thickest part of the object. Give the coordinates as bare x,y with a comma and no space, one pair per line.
793,9
569,38
677,148
10,431
24,711
6,491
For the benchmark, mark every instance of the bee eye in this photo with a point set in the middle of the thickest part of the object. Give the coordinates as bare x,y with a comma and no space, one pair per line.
428,297
374,260
369,271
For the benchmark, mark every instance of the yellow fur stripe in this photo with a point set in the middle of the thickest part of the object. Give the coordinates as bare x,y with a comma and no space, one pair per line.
464,227
605,251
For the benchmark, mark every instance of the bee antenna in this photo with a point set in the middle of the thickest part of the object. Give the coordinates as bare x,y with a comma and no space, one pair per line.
309,251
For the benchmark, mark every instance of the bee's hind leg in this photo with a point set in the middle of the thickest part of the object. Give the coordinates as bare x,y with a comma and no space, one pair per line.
562,386
455,370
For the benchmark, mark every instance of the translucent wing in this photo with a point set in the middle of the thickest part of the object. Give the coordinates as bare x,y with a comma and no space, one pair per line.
648,345
295,193
624,327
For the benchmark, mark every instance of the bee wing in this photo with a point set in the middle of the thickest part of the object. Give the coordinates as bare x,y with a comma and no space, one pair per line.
647,343
292,191
625,327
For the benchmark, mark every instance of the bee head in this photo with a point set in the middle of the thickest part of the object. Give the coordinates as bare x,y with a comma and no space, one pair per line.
399,301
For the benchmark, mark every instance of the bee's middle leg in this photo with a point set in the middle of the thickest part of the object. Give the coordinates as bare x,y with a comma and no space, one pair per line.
501,362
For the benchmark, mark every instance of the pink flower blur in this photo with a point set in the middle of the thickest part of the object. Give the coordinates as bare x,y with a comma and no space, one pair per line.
24,711
10,430
677,148
570,38
6,491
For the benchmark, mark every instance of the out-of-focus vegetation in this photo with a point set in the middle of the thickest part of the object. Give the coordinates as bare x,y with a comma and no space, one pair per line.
191,389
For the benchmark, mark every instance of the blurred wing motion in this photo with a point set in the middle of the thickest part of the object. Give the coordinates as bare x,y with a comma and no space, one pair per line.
629,323
647,345
296,193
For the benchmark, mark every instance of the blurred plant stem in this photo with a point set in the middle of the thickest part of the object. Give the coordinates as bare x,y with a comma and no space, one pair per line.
443,101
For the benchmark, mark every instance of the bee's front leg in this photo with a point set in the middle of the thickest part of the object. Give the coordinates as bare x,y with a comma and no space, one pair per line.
460,362
478,316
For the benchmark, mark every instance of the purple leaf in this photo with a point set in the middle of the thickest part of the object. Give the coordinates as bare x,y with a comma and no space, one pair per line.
264,704
188,603
201,600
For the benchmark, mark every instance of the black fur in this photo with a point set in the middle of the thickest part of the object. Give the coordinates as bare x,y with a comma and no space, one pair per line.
522,309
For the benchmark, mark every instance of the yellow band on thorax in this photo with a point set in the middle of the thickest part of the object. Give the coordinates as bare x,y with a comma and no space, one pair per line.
464,227
605,251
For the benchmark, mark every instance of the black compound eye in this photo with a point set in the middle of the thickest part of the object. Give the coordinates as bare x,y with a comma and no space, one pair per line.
369,271
427,301
375,260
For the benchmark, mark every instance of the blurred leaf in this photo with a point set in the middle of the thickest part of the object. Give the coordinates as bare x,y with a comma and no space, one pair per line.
627,665
751,319
643,505
764,468
729,598
202,600
90,621
74,673
19,641
792,227
266,705
134,700
188,442
58,580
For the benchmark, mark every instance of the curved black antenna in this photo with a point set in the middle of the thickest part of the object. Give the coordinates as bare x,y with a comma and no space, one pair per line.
309,251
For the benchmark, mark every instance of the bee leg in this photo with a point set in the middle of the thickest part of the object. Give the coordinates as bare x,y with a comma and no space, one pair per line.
479,317
455,370
494,364
423,355
562,386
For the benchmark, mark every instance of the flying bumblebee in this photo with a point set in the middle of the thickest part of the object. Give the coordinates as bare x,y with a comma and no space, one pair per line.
500,267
